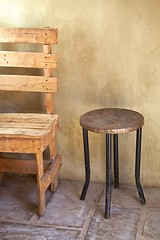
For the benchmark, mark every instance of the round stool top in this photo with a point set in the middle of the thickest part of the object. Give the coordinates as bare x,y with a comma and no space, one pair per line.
112,120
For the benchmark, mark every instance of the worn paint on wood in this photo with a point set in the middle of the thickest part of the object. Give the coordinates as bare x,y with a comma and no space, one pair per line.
29,132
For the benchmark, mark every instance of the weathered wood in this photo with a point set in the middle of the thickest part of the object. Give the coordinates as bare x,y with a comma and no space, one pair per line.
47,48
21,145
29,35
47,73
31,133
50,103
53,152
21,165
23,132
21,128
54,183
51,172
20,125
40,187
29,117
27,60
28,83
52,146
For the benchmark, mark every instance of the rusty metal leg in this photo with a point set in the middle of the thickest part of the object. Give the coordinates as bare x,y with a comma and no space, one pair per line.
116,165
108,174
87,163
137,165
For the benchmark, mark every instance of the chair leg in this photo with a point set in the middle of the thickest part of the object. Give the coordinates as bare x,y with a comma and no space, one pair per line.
52,148
87,163
108,174
116,164
137,165
1,178
40,188
54,184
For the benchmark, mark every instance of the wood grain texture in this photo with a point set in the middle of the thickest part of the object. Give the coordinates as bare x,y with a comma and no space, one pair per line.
47,73
28,83
27,59
21,165
29,35
52,171
31,133
17,125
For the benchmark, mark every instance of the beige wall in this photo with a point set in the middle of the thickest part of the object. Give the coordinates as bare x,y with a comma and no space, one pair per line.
109,56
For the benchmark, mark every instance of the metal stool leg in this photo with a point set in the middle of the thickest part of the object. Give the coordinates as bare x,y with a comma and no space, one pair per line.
116,165
108,174
87,163
137,165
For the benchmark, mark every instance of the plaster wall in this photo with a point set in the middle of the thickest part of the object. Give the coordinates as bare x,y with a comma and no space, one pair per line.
108,56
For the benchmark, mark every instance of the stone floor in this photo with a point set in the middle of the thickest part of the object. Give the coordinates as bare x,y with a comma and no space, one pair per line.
69,218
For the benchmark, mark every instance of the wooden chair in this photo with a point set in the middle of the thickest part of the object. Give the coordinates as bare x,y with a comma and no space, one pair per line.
30,133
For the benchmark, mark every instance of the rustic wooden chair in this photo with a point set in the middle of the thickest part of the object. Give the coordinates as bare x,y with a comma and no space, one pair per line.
30,133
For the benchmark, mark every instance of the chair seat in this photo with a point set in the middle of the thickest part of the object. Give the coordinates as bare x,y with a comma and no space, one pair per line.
26,125
26,133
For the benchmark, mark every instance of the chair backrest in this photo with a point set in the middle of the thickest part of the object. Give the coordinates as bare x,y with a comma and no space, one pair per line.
45,60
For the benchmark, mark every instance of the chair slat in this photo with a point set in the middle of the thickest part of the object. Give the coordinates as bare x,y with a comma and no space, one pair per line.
20,145
17,125
27,60
29,35
27,117
28,83
20,132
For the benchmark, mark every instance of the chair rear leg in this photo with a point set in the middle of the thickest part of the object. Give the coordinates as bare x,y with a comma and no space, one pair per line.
52,148
40,186
1,178
54,184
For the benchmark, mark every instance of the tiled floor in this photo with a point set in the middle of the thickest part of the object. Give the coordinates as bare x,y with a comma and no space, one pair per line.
69,218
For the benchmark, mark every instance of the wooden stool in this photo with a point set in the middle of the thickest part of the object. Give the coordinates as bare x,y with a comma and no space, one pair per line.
112,121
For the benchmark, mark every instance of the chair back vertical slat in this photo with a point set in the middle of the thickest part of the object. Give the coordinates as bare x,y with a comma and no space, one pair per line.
48,73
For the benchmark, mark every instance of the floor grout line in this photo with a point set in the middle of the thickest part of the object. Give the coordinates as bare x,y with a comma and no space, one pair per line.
43,226
89,219
141,224
130,220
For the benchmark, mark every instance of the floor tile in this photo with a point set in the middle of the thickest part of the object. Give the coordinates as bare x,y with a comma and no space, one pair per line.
66,209
19,232
18,202
152,196
152,224
121,226
69,218
18,199
124,196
